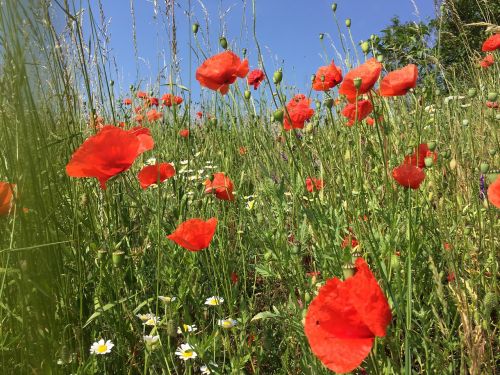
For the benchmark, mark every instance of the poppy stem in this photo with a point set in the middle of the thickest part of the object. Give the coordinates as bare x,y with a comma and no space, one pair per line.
409,287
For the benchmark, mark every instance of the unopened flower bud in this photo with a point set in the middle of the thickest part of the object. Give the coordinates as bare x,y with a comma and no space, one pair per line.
380,58
244,52
428,161
278,76
318,104
278,115
247,94
472,92
365,47
313,77
357,82
492,96
485,167
321,36
195,28
432,145
334,7
223,42
118,257
348,22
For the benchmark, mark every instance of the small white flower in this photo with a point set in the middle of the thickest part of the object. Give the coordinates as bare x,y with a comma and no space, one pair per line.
250,204
205,370
192,178
151,161
186,328
101,347
166,299
149,319
151,340
184,162
227,323
214,301
287,193
185,352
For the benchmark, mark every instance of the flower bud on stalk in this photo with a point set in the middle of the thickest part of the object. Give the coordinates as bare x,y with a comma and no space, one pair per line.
334,7
348,22
118,257
195,28
365,47
223,42
278,76
247,94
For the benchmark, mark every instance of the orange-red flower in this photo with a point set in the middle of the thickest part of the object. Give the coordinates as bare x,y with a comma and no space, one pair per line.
153,102
358,110
492,43
146,142
104,155
313,184
398,82
127,101
142,95
492,105
417,159
255,78
368,72
408,175
488,61
344,318
139,118
494,193
221,186
153,115
151,174
221,70
184,133
194,234
327,77
242,150
6,197
297,112
169,100
349,240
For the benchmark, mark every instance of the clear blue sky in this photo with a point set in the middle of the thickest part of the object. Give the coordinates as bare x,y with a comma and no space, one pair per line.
287,31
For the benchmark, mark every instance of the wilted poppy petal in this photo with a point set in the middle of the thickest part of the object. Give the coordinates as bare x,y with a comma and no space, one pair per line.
150,174
194,234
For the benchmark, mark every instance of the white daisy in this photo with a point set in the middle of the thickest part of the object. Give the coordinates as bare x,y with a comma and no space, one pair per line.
184,162
227,323
185,352
149,319
186,328
166,299
205,370
101,347
151,340
214,301
151,161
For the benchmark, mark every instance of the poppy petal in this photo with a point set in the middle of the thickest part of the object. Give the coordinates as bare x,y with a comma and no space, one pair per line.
194,234
494,193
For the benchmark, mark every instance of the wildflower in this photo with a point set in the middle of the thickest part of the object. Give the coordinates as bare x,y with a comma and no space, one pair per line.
205,370
137,109
343,319
108,153
221,70
151,341
153,102
450,277
199,114
408,175
227,323
184,133
368,72
6,197
349,240
417,159
494,193
169,100
242,150
139,118
221,186
185,352
214,301
492,105
255,78
101,347
488,61
327,77
127,101
234,277
359,111
398,82
186,328
166,299
153,174
149,319
492,43
313,184
153,115
142,95
194,234
297,112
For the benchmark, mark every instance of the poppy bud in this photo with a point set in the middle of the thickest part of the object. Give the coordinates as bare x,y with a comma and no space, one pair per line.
428,161
244,52
334,7
223,42
465,122
101,254
328,103
348,270
247,94
447,154
490,303
307,297
365,47
318,104
453,164
278,115
348,22
442,8
472,92
492,96
357,82
213,122
278,76
485,167
118,258
431,145
112,83
321,36
195,28
380,58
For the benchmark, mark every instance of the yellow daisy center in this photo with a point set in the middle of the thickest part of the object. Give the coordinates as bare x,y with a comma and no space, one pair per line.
102,348
187,354
226,323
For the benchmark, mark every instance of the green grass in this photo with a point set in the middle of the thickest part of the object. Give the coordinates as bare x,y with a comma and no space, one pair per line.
60,290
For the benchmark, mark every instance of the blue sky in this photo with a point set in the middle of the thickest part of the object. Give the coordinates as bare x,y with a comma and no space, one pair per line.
287,31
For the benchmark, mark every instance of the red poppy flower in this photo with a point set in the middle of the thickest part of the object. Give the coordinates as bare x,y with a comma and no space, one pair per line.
408,175
349,240
153,115
492,43
146,142
313,273
137,109
178,100
417,159
221,70
327,77
127,101
492,105
139,118
368,72
184,133
242,150
494,193
360,110
151,174
199,114
398,82
255,78
121,124
450,277
142,95
234,277
104,155
221,186
297,112
344,318
6,197
169,99
194,234
153,102
488,61
313,184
